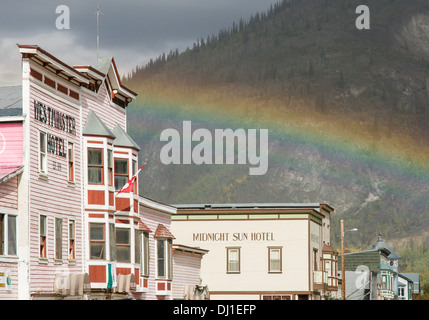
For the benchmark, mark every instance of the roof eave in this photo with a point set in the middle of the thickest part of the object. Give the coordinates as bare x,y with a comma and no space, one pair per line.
53,61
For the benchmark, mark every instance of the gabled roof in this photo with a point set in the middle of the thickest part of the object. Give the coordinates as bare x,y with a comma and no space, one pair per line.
123,139
103,64
380,244
327,248
143,227
80,74
8,172
163,232
10,101
107,66
95,127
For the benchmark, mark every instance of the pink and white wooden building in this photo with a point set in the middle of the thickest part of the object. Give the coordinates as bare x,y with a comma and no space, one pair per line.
64,154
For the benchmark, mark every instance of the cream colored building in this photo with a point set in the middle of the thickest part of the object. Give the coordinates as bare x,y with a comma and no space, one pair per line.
261,251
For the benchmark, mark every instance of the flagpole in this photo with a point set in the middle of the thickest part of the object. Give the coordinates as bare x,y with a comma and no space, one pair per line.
130,182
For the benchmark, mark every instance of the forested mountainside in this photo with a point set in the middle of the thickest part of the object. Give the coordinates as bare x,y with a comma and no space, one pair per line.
347,112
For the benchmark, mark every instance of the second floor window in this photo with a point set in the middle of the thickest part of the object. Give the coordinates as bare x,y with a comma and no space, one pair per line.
95,166
70,162
110,167
275,259
42,152
121,173
233,260
134,172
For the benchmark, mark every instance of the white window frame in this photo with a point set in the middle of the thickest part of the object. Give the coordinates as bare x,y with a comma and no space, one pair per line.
229,268
129,245
70,159
46,237
125,176
270,266
97,241
71,222
6,225
167,259
42,154
138,245
145,257
112,241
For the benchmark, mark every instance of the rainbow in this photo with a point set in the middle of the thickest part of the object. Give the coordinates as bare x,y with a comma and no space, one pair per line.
347,151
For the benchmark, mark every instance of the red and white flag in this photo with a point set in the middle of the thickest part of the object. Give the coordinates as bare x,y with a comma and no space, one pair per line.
128,187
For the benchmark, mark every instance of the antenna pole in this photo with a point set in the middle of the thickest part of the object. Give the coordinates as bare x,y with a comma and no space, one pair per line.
98,31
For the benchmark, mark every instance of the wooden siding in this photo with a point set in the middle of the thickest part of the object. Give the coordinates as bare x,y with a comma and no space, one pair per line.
186,271
9,194
151,218
100,104
122,204
96,197
52,195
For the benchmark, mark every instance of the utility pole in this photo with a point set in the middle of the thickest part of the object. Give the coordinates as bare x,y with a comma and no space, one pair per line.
343,271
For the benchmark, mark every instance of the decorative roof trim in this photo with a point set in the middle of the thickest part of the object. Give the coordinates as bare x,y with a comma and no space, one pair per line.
49,59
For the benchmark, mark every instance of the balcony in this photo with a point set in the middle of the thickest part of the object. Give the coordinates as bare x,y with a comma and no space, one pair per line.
320,280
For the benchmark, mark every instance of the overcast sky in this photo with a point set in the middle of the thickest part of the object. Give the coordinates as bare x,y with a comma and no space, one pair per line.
132,31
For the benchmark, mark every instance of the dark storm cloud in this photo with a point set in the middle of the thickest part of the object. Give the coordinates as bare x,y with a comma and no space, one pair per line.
132,31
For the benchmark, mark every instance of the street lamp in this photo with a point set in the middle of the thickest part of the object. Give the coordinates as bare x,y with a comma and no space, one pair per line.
343,271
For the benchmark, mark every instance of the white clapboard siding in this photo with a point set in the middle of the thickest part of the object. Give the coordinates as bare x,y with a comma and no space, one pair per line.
186,272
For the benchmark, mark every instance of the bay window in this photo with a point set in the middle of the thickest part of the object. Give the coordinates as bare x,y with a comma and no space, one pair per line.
137,246
145,260
110,167
121,173
134,172
123,246
164,258
95,166
112,241
97,241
